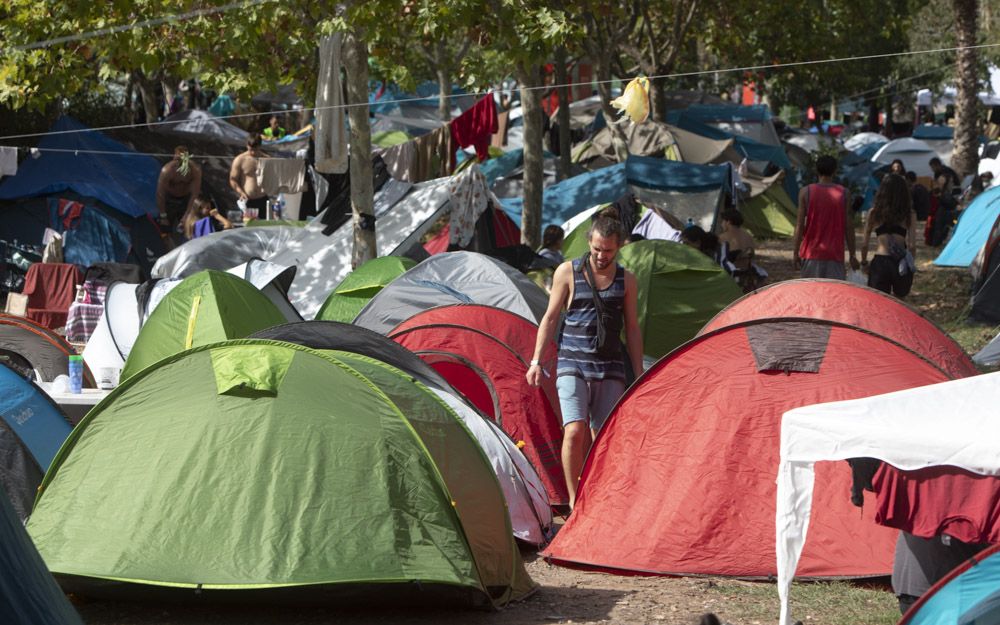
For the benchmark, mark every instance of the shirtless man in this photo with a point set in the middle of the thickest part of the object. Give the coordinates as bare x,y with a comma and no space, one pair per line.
178,186
243,175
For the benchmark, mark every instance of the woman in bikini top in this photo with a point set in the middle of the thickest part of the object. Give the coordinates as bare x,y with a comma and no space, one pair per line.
891,219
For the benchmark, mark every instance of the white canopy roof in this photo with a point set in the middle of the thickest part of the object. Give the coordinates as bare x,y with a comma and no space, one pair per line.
953,423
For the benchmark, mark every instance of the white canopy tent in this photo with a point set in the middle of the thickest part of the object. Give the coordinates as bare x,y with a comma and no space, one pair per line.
906,429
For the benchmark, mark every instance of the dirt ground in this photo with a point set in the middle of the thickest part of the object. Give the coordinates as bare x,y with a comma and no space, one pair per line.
571,596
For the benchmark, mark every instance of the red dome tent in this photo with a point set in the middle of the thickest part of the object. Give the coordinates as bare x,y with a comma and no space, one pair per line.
858,306
484,353
681,480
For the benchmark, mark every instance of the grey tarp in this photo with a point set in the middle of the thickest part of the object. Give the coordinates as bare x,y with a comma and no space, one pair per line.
206,125
647,139
453,278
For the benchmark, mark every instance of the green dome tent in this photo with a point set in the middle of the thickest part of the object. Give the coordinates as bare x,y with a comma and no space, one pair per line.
207,307
771,214
278,472
680,289
351,295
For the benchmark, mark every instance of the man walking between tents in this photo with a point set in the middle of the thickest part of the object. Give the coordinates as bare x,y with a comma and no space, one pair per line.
824,224
599,297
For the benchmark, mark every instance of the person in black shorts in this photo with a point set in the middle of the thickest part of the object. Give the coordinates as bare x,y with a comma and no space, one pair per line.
894,223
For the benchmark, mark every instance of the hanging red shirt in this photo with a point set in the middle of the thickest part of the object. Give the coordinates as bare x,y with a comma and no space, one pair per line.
476,127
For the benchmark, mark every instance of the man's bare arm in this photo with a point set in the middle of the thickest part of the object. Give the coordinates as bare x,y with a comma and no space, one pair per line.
558,298
800,222
236,178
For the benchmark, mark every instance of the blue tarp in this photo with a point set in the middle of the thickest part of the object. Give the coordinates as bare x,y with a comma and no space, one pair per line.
970,597
933,132
32,416
728,113
502,165
93,237
124,180
562,201
972,230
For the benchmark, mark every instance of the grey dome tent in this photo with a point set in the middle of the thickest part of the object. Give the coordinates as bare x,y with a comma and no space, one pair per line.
30,348
28,594
454,278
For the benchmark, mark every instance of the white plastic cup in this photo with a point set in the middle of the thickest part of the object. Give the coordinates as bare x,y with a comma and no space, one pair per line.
107,378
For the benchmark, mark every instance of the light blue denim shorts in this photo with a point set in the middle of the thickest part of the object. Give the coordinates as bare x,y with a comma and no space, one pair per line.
582,400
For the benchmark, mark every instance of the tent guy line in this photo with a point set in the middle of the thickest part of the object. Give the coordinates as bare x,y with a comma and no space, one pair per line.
747,68
116,152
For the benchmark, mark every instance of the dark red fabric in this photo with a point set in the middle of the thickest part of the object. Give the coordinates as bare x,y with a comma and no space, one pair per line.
475,127
681,479
506,231
469,384
929,224
495,340
939,500
826,218
51,288
843,302
70,212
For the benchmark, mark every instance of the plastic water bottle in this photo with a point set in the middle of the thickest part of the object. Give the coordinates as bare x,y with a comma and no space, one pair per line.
76,374
279,206
690,222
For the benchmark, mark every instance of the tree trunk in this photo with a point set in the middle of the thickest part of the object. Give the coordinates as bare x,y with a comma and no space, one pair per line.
444,82
603,72
562,115
531,105
355,55
658,99
964,157
147,90
169,91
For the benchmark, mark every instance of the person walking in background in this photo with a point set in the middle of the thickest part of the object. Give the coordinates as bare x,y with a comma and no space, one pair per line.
920,196
894,223
243,175
824,224
178,185
552,242
600,298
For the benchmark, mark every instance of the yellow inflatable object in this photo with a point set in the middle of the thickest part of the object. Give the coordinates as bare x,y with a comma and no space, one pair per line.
634,101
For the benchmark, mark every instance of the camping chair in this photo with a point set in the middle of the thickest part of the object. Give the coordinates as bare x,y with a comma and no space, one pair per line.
50,288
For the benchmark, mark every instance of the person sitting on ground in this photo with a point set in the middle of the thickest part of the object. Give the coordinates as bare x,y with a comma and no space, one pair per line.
920,196
203,218
894,223
273,132
552,242
736,252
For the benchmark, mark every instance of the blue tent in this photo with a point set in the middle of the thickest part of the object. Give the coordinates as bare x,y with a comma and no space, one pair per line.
969,595
972,230
562,201
502,165
28,594
116,175
32,415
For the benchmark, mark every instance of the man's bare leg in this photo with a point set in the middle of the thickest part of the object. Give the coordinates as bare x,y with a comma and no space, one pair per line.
575,445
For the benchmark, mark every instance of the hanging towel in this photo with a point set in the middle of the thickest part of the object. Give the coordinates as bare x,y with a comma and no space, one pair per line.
399,160
499,138
433,154
331,139
281,175
470,196
8,161
476,127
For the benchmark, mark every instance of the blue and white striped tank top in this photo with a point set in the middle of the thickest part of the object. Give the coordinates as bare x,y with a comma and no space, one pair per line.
578,353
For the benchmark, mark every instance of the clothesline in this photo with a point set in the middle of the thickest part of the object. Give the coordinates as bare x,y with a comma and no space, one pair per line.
748,68
125,153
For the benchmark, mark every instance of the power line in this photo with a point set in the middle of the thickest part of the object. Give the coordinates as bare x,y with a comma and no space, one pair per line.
748,68
179,17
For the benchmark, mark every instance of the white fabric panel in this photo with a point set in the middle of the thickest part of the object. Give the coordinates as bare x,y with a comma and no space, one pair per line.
527,502
330,138
953,423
